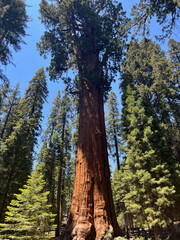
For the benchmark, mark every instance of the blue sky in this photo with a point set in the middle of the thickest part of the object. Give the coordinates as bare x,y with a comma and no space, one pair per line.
27,61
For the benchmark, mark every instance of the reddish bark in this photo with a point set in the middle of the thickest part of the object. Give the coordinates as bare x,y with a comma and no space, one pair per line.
92,210
156,233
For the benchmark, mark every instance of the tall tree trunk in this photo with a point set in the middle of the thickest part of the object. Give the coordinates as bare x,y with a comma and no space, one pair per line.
62,200
116,146
92,210
58,220
59,189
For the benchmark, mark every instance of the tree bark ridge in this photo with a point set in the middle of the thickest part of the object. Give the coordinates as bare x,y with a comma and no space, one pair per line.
92,210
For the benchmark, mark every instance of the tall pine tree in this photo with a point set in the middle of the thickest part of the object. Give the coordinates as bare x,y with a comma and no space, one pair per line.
150,116
8,113
17,149
13,22
145,180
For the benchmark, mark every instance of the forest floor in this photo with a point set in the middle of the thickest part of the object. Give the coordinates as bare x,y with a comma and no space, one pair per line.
147,235
142,234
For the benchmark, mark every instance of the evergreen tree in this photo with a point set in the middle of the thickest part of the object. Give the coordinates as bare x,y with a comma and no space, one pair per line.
8,113
75,123
4,90
55,154
29,216
13,20
8,120
17,149
90,34
150,116
113,127
174,49
50,151
166,12
145,179
148,71
69,170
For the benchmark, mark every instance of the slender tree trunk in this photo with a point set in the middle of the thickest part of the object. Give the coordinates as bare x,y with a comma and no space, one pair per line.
156,232
50,180
62,199
92,210
59,190
116,146
58,228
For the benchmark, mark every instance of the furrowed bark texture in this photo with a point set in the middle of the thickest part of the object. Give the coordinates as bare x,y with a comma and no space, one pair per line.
92,210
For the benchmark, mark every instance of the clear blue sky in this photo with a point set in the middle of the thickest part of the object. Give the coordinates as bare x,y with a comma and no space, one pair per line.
28,61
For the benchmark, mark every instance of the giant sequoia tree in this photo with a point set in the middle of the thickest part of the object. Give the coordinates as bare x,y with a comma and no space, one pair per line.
87,35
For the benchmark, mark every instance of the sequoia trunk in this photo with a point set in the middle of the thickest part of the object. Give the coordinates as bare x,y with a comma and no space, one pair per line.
92,212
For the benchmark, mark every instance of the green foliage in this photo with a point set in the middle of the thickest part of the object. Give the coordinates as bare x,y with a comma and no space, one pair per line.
85,35
148,71
75,123
28,216
4,91
166,12
56,149
13,19
107,234
8,111
113,128
148,179
147,183
121,238
21,127
55,154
